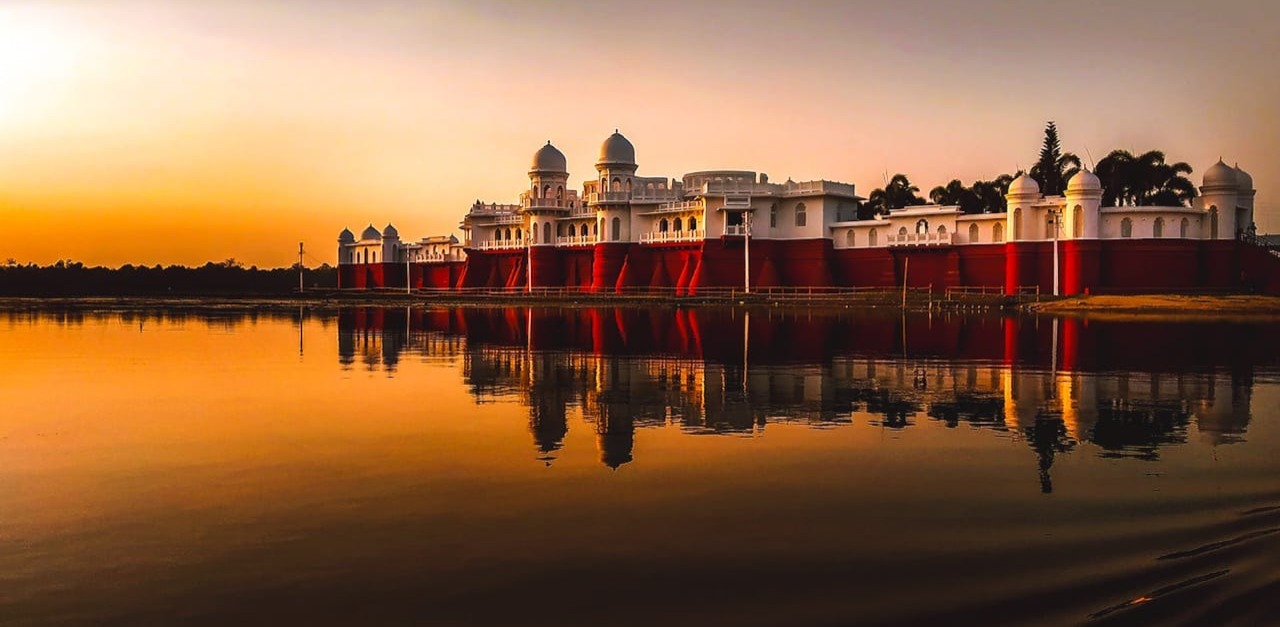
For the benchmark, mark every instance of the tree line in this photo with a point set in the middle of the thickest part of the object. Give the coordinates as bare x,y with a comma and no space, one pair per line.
1145,179
72,278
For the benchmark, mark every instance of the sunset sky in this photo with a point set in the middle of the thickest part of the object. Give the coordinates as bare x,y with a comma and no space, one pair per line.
163,131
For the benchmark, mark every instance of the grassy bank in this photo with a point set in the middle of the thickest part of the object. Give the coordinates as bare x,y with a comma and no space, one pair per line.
1163,306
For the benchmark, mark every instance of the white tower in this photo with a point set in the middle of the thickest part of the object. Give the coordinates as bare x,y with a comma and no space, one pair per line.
1219,196
1023,191
1081,216
617,169
547,199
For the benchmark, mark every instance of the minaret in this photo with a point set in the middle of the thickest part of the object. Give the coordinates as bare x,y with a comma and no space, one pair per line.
1219,197
616,168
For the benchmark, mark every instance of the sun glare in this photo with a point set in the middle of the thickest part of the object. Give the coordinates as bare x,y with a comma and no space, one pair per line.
38,55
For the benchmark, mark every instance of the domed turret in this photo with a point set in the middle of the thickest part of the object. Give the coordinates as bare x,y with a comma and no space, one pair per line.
617,150
1084,181
1024,186
346,237
1221,175
549,160
370,233
390,232
1243,179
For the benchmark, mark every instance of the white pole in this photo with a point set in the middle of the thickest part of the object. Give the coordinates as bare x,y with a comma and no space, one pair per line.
408,275
1057,220
300,286
528,262
746,252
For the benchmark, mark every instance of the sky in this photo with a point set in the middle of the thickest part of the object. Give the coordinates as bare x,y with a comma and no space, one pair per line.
168,131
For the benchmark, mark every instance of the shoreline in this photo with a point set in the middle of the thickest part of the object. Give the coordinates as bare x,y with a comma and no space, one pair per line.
1126,307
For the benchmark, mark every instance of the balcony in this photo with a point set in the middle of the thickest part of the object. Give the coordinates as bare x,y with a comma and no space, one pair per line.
506,244
576,240
647,195
920,239
599,197
737,230
529,202
676,207
817,188
662,237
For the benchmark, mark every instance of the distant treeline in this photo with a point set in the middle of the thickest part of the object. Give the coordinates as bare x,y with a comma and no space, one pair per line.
72,278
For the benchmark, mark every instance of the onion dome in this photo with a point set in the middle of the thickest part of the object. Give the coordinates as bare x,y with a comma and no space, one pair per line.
1221,175
370,233
1084,181
390,232
549,160
1024,186
1243,179
617,150
346,237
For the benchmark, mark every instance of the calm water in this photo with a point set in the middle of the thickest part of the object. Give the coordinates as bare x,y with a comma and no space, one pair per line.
635,467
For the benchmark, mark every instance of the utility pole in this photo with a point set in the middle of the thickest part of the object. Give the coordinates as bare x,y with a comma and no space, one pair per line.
300,284
746,252
1057,225
408,275
528,261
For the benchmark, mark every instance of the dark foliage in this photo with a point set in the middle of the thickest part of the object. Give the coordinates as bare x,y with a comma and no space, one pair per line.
70,278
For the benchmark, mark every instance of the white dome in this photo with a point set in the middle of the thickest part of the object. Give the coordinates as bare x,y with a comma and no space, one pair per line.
1243,179
1084,181
390,232
617,150
370,233
549,160
1024,186
346,237
1221,175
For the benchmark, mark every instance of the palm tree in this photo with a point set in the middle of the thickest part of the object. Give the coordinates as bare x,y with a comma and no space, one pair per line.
1144,180
952,194
981,197
1054,168
898,193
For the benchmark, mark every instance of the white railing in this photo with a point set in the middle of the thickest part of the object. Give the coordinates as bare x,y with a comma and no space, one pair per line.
678,207
672,236
815,188
436,258
493,209
721,188
576,240
735,229
609,197
505,244
919,238
655,195
528,202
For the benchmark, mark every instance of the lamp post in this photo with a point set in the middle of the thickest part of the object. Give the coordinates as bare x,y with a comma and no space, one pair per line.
746,252
1057,226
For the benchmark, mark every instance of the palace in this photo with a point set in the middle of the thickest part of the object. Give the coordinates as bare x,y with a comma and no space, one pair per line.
723,228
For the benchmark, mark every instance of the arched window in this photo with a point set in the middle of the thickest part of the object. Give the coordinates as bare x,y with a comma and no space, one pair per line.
628,186
508,235
1157,229
573,230
902,234
693,224
617,185
773,216
848,238
546,232
801,217
662,225
375,256
1126,228
1077,222
560,230
546,191
366,255
997,232
942,229
617,229
559,191
519,234
973,233
604,184
679,224
595,228
533,233
1182,228
922,227
872,237
1017,223
1213,223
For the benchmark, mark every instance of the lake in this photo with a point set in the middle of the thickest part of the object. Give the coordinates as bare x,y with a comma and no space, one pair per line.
514,466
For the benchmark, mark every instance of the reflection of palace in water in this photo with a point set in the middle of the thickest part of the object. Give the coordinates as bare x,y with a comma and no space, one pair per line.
1128,389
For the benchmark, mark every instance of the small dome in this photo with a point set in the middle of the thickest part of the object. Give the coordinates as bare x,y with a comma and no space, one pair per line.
617,150
549,160
370,233
390,232
346,237
1221,175
1084,181
1243,179
1023,185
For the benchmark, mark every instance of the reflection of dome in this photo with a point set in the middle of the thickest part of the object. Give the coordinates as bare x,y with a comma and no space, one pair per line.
1024,185
617,150
1221,175
1084,181
1243,179
346,237
549,160
390,232
370,233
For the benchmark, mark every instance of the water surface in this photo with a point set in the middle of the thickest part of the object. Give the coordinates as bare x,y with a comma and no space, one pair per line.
633,467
